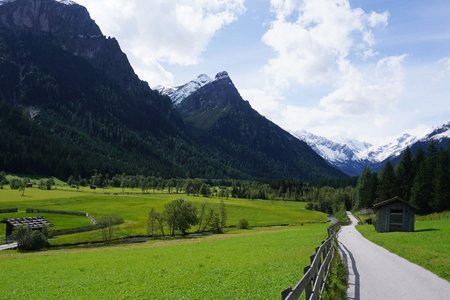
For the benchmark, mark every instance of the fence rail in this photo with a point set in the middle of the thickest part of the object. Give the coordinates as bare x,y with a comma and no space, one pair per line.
315,274
58,212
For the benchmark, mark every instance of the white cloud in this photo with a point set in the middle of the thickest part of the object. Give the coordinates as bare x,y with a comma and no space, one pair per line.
266,102
373,92
163,31
377,19
311,37
445,62
327,43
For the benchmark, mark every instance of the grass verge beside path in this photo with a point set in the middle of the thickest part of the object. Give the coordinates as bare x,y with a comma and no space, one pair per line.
251,264
428,246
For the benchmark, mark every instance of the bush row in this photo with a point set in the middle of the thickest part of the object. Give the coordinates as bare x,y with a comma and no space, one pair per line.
61,212
8,210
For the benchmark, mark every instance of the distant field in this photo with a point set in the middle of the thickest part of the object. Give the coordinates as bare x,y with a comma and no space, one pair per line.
252,264
134,209
59,221
428,247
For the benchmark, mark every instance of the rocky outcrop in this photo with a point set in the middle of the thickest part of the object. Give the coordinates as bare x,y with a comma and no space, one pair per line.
72,27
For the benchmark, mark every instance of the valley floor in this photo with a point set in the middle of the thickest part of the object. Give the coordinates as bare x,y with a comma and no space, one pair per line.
241,264
250,264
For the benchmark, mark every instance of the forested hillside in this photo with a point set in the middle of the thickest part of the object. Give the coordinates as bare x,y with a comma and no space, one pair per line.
422,179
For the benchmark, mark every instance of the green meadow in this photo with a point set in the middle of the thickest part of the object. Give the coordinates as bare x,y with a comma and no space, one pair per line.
428,246
251,264
134,209
240,264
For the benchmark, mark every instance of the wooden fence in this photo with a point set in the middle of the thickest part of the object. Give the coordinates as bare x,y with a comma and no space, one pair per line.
315,276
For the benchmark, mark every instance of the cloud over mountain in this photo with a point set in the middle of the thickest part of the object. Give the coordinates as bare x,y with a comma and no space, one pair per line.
163,31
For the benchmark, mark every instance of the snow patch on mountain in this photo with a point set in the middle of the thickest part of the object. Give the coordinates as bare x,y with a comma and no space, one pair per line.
380,153
351,156
179,93
353,150
438,133
66,2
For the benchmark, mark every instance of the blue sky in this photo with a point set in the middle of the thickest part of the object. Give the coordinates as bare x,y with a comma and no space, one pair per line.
359,69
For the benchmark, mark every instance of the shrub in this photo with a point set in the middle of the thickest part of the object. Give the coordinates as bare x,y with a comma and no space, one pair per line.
180,215
107,223
215,224
243,224
14,184
30,240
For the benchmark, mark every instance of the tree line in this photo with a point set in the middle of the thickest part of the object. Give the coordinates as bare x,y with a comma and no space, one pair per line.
422,179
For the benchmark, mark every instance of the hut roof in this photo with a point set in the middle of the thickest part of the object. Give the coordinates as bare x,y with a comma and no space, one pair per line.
378,205
30,222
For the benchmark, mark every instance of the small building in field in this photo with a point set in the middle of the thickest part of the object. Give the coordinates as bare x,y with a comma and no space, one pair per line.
394,215
33,223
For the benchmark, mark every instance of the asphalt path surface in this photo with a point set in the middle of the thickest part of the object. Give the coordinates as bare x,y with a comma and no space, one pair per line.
377,274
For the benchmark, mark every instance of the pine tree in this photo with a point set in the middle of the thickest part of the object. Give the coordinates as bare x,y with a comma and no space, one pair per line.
366,189
441,183
405,175
422,190
388,186
419,157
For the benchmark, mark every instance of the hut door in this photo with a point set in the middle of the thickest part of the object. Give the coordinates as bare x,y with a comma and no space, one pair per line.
396,220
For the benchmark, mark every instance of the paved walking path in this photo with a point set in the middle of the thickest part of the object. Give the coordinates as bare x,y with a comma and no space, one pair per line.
377,274
8,246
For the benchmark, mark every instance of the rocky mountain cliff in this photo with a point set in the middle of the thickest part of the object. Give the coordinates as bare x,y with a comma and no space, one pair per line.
71,27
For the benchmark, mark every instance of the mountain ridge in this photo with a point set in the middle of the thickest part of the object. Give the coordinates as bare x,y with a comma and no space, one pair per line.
352,156
219,118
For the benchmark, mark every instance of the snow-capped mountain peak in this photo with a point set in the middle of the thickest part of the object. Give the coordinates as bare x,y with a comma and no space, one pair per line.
334,152
179,93
66,2
395,148
439,133
351,156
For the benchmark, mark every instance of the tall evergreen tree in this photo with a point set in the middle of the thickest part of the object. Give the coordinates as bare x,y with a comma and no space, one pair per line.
441,182
388,185
419,157
422,190
366,189
405,175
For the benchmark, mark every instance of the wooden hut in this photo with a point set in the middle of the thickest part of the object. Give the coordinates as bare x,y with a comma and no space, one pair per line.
394,215
33,223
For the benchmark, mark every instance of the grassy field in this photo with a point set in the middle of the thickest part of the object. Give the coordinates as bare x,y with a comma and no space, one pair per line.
134,208
428,246
241,264
251,264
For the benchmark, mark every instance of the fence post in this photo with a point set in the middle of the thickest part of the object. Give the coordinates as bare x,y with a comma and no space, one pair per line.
286,293
308,287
